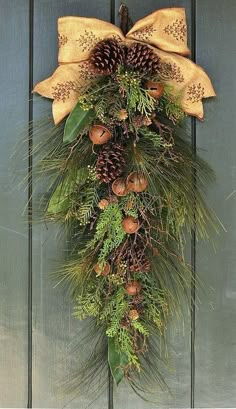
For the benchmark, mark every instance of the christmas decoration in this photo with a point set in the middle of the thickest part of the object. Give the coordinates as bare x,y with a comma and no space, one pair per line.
119,187
106,56
130,224
155,89
102,270
110,163
136,182
133,287
99,134
125,181
141,57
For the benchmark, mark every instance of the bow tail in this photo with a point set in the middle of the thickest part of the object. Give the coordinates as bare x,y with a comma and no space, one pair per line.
65,86
188,79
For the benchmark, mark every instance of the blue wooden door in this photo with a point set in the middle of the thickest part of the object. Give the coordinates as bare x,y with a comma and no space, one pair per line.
36,326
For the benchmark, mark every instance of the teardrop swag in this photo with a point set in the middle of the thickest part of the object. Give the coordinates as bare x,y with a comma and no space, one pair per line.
123,181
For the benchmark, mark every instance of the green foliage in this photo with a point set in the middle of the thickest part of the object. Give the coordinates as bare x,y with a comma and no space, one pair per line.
109,233
138,98
170,103
140,327
76,122
87,199
89,301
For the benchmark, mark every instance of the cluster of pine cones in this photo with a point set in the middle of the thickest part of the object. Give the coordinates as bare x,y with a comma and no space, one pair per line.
109,54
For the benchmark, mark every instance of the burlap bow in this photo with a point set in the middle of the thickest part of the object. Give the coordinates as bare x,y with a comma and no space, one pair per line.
165,31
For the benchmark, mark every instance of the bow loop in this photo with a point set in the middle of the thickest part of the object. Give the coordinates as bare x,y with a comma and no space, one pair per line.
77,36
165,29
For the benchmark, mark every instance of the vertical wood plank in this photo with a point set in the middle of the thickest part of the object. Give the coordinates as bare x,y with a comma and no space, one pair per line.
178,377
14,33
215,318
53,326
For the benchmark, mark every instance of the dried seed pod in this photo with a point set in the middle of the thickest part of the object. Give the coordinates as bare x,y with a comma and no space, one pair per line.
133,287
130,225
136,182
133,315
99,134
102,270
122,115
119,187
155,89
103,204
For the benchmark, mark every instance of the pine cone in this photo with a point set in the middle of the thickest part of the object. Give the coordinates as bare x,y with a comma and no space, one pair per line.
134,256
110,162
106,56
140,57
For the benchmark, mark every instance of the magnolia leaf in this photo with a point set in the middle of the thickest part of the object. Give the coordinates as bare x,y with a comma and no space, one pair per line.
76,121
59,200
117,361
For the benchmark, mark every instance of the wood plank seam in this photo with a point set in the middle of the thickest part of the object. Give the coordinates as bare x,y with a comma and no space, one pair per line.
30,204
193,233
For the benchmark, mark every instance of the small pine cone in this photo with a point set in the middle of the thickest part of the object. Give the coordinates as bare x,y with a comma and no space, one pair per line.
141,57
122,115
106,56
110,162
103,204
133,315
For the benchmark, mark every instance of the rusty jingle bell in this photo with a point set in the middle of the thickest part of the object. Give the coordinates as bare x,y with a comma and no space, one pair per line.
155,89
99,134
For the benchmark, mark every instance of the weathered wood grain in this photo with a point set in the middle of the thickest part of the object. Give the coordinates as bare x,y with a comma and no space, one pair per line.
53,326
216,314
13,229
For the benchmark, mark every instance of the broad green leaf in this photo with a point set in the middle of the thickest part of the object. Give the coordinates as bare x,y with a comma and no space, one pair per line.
76,121
117,361
59,200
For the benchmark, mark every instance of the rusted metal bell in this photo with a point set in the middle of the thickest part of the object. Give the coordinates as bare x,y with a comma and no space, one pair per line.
130,224
99,134
136,182
102,271
155,89
119,187
133,288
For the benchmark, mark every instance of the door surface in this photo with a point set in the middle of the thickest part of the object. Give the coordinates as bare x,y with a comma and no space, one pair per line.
36,326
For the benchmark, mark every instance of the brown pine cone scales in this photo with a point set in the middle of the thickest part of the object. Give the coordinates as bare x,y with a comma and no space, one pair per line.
106,56
133,254
140,57
110,163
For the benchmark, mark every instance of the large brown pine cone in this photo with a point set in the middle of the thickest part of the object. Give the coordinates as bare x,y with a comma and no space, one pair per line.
141,57
110,162
106,56
133,255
